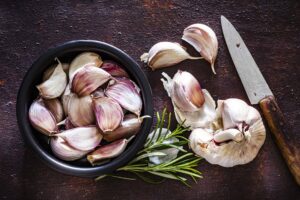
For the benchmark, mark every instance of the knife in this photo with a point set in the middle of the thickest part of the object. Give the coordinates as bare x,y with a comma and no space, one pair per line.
259,92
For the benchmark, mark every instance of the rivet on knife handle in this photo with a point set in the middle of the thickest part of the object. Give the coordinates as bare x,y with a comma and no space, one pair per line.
280,131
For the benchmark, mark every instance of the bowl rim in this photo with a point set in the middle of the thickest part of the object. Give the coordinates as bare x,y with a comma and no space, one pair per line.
22,107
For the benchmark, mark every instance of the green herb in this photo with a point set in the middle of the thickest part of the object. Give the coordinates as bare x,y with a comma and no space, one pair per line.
177,169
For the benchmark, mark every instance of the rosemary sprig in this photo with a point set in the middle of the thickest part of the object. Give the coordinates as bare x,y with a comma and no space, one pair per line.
177,169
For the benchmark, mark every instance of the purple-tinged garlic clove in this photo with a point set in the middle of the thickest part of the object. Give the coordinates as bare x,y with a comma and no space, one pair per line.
55,85
82,138
65,99
114,69
55,107
41,118
111,150
125,92
87,79
65,152
108,113
204,40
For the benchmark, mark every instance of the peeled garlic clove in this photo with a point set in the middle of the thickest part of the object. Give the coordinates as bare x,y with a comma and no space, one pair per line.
108,112
65,99
56,108
55,85
41,118
82,138
65,152
129,127
51,69
165,54
80,110
88,79
114,69
111,150
204,40
126,94
83,59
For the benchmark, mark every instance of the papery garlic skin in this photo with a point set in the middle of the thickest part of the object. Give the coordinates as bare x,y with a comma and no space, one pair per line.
125,93
84,59
165,54
82,138
111,150
87,79
204,40
55,85
80,110
114,69
55,107
65,152
108,113
41,118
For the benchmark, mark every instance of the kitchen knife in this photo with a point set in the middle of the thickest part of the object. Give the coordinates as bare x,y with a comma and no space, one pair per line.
259,92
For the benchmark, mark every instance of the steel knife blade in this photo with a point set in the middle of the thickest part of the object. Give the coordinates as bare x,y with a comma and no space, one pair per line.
259,92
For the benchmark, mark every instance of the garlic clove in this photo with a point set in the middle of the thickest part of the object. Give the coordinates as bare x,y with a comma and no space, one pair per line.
204,40
55,107
114,69
87,79
65,99
82,138
98,93
65,152
165,54
41,118
111,150
55,85
80,110
83,59
129,127
108,113
66,123
51,69
126,94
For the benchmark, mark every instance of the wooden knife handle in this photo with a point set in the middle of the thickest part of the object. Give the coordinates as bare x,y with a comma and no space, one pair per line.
280,131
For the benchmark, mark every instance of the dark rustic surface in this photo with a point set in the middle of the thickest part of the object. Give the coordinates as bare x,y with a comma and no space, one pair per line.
269,28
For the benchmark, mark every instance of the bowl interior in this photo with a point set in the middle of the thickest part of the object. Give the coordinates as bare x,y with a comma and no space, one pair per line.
28,93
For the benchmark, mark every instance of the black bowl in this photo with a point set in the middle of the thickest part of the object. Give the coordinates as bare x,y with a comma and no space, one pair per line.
28,92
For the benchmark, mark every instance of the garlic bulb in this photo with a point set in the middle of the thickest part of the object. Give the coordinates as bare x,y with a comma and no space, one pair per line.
55,107
107,151
81,138
63,151
41,118
87,79
114,69
108,112
125,93
80,110
55,85
204,40
51,69
165,54
233,145
84,59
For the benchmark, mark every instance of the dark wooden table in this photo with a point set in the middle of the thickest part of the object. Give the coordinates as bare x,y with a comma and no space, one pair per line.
269,28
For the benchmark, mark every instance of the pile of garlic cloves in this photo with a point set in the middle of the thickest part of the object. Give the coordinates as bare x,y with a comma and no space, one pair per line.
231,134
84,103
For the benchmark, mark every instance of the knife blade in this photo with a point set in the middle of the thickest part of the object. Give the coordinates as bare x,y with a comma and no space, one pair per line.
259,92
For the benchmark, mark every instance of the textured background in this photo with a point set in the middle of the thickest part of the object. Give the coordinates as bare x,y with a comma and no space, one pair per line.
269,28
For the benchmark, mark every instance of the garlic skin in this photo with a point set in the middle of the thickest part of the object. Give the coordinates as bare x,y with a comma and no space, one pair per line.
55,85
63,151
108,113
204,40
111,150
129,126
125,93
165,54
55,107
81,110
81,138
41,118
50,70
84,59
87,79
114,69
